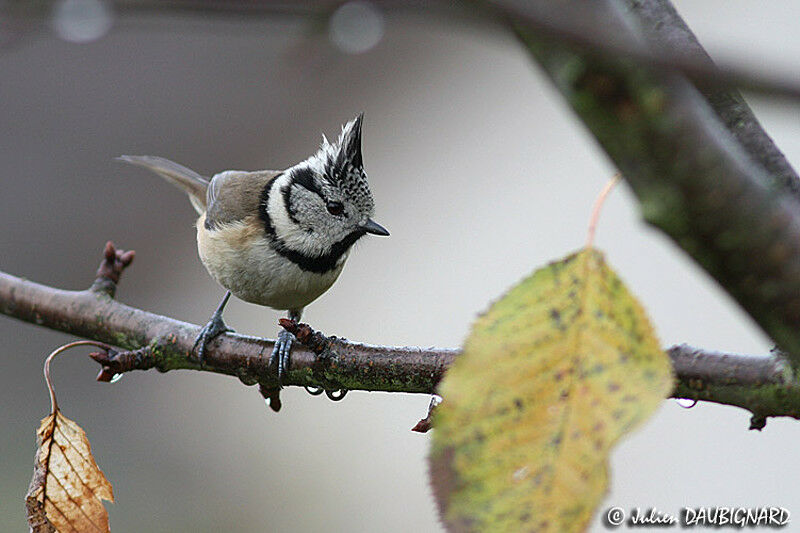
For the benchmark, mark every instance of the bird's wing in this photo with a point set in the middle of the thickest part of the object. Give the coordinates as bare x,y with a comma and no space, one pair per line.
234,195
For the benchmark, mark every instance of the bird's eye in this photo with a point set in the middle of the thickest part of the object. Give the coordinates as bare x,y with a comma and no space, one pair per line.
335,208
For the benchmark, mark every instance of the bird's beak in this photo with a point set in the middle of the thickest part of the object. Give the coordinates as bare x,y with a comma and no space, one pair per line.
370,226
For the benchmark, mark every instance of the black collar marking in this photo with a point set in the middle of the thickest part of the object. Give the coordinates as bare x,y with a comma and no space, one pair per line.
287,202
262,207
319,264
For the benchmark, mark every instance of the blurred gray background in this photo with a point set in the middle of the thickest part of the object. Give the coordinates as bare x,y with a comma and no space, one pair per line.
478,169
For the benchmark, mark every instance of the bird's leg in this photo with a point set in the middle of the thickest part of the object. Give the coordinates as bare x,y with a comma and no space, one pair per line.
283,347
214,327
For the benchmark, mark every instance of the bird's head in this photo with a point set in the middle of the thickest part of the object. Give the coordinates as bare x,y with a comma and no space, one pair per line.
327,197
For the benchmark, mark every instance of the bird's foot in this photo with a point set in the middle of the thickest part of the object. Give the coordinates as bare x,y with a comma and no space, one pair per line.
281,353
216,326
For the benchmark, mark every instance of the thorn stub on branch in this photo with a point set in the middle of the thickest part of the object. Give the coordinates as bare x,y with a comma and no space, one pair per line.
426,424
110,269
423,426
758,422
114,362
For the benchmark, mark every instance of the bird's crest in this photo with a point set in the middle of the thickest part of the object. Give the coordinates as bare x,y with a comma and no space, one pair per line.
342,165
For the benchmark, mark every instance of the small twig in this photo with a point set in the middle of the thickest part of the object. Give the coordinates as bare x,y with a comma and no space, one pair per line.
50,388
110,269
114,362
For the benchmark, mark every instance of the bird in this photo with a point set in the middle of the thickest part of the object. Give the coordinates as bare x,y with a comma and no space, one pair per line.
278,239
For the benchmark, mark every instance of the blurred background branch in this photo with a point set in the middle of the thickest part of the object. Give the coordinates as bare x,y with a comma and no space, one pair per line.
665,29
695,180
574,23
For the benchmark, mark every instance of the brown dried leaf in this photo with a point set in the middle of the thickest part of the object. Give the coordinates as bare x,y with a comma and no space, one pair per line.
67,486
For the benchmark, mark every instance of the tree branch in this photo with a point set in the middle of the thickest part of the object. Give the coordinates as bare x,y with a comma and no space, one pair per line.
666,30
762,385
166,344
694,180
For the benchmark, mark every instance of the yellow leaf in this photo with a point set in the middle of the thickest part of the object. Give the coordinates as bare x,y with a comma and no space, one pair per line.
549,379
67,486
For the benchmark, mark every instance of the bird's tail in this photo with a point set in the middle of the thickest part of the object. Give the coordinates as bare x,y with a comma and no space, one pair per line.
190,181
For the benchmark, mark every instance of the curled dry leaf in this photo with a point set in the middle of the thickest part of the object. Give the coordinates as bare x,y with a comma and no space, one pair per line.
67,487
67,484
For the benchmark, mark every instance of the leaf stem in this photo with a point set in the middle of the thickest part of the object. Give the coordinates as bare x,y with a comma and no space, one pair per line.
598,205
51,390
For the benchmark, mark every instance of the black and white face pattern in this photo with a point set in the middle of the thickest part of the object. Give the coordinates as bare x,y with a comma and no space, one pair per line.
324,202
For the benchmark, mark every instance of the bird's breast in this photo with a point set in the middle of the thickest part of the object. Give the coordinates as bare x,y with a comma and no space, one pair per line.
240,257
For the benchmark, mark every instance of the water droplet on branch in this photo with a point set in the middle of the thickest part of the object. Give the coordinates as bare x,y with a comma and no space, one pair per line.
686,403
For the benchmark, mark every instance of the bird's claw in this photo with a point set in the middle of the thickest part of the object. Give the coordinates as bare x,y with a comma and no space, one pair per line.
281,353
215,327
280,358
